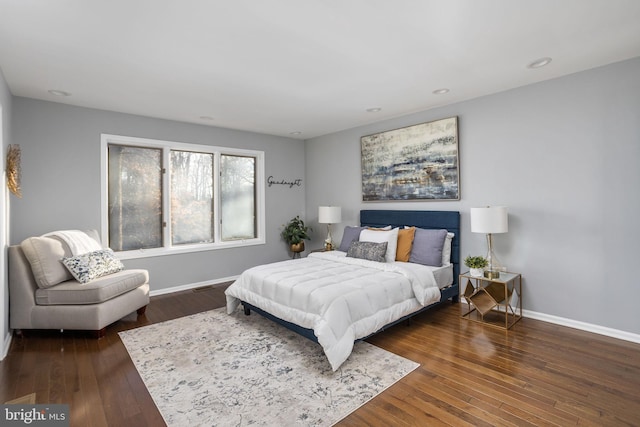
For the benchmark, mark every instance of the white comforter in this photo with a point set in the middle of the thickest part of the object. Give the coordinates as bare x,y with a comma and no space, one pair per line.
341,299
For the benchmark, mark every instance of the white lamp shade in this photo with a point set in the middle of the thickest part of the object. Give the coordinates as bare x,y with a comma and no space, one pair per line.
329,215
490,219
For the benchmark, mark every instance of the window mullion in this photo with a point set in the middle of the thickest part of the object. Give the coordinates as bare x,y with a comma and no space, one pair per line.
216,198
166,197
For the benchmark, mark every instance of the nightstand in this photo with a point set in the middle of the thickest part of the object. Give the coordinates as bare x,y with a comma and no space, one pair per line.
496,302
318,250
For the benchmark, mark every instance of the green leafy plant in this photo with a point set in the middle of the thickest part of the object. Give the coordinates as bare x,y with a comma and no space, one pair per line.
295,231
476,261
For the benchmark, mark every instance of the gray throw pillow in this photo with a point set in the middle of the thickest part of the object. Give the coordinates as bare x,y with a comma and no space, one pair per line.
427,247
350,234
368,250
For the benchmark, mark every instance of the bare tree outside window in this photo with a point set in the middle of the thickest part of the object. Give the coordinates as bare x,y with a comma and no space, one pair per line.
192,207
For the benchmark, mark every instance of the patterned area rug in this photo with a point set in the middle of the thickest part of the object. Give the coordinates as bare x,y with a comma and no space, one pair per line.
217,369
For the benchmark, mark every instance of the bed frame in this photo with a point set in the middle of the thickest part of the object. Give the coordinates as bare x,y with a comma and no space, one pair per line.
449,220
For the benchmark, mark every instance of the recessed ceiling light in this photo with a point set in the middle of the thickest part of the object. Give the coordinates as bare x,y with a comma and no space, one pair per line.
440,91
539,63
374,110
206,118
59,92
297,132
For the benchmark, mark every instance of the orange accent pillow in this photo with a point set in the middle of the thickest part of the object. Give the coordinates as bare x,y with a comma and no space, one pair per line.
405,242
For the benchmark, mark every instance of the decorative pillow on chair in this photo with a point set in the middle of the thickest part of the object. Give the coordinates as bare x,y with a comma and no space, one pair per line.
350,234
90,266
368,250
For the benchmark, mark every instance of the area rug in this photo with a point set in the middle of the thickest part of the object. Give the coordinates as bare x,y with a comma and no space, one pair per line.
28,399
217,369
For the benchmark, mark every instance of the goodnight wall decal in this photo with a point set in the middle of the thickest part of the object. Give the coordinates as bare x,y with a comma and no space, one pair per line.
290,183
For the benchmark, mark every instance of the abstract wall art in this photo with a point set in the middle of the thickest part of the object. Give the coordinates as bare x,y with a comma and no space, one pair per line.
418,162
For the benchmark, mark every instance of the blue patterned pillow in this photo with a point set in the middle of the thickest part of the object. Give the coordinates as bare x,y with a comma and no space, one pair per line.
368,250
90,266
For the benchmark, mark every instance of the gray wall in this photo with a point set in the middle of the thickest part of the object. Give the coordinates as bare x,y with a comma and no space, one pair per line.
6,103
61,182
564,156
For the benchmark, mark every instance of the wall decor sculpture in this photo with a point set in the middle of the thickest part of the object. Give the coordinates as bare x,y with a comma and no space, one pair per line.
13,169
418,162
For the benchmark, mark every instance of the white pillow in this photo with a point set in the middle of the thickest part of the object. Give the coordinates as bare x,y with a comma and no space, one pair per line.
446,249
391,237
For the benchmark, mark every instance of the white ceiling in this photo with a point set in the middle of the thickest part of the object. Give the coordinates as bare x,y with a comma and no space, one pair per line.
312,66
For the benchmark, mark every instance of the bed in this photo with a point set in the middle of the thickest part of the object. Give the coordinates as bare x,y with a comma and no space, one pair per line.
336,300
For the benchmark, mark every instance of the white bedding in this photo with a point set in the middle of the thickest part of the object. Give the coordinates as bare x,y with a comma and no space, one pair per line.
341,299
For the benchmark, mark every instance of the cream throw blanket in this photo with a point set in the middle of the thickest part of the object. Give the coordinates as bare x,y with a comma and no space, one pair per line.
78,241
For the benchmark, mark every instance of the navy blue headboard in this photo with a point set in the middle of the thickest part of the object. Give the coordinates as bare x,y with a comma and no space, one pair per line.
449,220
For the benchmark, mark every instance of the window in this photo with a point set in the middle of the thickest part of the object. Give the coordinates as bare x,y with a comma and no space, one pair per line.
192,219
167,197
237,196
135,198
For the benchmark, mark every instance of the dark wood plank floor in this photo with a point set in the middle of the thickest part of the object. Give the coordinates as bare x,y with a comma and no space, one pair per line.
536,374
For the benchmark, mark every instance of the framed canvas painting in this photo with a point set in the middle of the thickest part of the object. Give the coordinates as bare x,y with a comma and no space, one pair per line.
418,162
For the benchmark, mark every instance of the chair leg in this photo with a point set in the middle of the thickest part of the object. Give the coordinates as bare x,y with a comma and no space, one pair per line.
141,310
100,334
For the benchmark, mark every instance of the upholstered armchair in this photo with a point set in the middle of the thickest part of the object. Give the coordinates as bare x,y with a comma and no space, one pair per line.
52,287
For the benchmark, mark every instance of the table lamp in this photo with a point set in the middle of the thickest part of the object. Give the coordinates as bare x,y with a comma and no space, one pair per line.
490,220
329,215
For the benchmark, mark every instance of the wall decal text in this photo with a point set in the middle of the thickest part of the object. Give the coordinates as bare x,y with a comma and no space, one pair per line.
272,181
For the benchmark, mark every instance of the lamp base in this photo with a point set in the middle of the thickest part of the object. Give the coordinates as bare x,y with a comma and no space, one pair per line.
491,274
495,266
328,242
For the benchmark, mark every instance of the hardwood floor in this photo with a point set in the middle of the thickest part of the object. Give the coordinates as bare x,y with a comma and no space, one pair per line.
470,374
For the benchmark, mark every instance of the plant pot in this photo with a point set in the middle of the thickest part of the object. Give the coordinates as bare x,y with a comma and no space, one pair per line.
476,272
297,247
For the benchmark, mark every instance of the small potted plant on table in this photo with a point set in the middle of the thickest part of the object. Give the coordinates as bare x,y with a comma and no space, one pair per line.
476,265
294,233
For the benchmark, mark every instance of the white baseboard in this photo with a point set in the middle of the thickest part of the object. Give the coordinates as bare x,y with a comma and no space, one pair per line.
191,286
576,324
589,327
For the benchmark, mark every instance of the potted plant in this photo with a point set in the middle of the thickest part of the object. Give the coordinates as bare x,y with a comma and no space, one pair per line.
476,265
294,233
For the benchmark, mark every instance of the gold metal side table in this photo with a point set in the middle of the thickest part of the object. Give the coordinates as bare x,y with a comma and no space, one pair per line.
495,302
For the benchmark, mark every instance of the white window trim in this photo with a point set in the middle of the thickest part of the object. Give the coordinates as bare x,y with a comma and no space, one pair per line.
166,146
